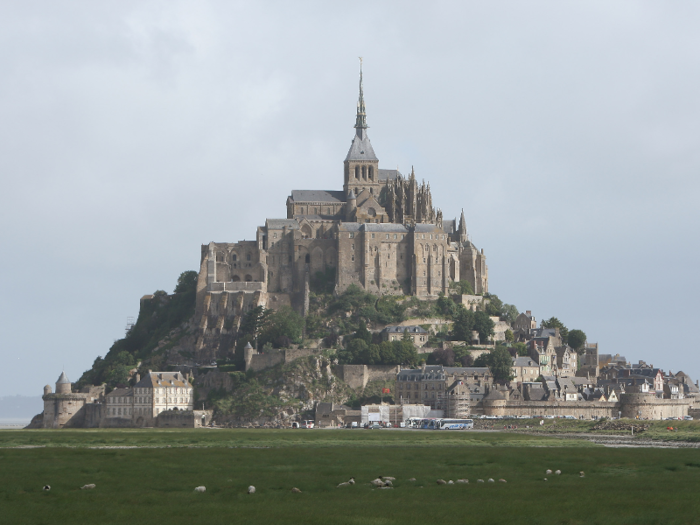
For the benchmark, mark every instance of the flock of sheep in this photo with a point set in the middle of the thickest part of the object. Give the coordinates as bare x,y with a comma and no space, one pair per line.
387,482
381,482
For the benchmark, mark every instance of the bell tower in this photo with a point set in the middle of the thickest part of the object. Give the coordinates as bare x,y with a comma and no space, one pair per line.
361,164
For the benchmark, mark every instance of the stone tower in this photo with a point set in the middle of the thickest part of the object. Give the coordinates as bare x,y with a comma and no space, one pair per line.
63,384
361,164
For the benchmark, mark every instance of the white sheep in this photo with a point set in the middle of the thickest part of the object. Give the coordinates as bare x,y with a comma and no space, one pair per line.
296,490
351,481
479,480
441,482
491,480
548,472
46,488
89,486
502,480
251,490
557,472
583,475
201,488
450,482
343,484
377,482
411,479
462,481
385,478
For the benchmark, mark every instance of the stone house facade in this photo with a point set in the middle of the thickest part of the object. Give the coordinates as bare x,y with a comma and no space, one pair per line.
418,334
428,384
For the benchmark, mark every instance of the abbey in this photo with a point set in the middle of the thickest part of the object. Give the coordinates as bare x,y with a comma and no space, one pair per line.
380,232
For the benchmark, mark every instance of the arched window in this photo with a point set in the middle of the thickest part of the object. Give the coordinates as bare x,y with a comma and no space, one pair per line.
247,256
234,257
307,259
235,278
248,278
357,172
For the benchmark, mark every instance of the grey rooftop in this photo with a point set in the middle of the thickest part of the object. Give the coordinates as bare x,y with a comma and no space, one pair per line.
330,196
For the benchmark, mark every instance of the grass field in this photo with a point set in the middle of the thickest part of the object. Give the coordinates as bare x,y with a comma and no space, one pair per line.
155,484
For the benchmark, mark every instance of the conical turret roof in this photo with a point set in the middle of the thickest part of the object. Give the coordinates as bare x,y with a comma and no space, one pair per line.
63,379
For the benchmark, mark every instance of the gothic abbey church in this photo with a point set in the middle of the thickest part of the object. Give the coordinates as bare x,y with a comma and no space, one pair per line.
380,232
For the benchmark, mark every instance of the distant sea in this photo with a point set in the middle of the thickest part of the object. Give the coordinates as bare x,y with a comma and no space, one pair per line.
13,423
18,411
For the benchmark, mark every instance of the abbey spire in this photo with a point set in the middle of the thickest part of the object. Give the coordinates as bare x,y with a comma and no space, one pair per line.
361,118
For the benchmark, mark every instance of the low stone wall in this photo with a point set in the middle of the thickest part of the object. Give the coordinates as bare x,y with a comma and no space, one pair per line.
357,376
646,406
271,358
184,418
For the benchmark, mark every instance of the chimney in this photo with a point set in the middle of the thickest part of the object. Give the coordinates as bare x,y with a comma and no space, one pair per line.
138,377
528,313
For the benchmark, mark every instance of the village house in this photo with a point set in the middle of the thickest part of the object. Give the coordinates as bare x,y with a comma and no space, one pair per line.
416,333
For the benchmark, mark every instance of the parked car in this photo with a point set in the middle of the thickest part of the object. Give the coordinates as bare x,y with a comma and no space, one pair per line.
688,418
373,426
307,423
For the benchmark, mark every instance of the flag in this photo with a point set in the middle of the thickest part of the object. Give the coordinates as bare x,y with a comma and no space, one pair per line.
386,391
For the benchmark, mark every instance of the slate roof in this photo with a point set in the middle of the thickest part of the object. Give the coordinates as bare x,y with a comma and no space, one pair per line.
524,361
278,224
361,149
388,174
402,329
163,379
121,392
427,228
449,226
494,395
63,379
318,196
384,227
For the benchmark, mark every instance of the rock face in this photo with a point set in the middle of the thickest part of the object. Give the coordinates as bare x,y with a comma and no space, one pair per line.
287,390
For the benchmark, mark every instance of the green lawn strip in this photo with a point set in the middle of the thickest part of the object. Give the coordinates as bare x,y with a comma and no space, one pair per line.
621,486
269,438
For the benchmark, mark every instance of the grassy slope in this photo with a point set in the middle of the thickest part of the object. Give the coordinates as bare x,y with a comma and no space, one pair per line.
622,486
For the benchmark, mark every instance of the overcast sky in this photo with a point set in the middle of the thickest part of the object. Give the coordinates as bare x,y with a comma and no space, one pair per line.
133,132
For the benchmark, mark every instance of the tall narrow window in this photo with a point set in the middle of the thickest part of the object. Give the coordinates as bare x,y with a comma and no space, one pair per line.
364,172
371,173
357,172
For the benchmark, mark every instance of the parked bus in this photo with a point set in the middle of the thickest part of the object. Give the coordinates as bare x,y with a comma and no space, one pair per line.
454,424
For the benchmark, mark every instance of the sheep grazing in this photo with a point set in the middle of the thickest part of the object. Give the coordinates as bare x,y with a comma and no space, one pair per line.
351,481
46,488
387,478
296,490
491,480
462,481
479,480
385,487
450,482
89,486
411,479
201,488
441,482
502,480
388,483
548,472
377,482
582,474
545,479
251,490
343,484
557,472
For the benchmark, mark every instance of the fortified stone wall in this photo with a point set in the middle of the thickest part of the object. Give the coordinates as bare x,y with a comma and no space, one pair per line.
357,376
270,358
645,406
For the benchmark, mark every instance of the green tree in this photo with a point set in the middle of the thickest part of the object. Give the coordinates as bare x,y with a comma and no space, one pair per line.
363,333
446,306
577,340
484,325
499,361
521,348
463,324
462,287
187,282
509,336
509,313
494,306
553,322
282,327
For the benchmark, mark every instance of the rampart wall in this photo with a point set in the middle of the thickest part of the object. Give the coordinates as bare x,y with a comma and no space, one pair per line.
357,376
646,406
